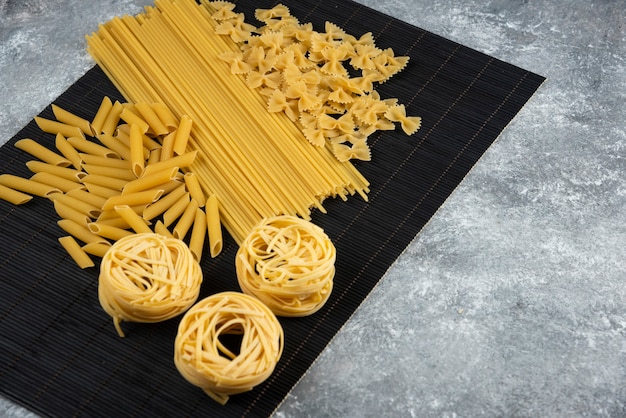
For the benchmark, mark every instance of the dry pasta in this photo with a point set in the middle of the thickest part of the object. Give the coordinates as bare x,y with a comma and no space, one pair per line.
13,196
148,278
204,361
289,264
75,251
39,151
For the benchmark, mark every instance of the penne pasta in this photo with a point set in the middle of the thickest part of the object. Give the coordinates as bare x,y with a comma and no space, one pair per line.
115,146
194,188
100,117
160,206
113,117
28,186
198,234
14,196
131,118
133,199
40,152
161,229
137,158
56,182
136,222
104,161
105,181
70,118
89,147
148,114
100,191
186,220
82,206
91,199
176,210
179,161
116,173
67,212
96,248
165,115
182,135
214,227
80,232
148,181
167,150
55,127
76,252
63,172
68,151
108,231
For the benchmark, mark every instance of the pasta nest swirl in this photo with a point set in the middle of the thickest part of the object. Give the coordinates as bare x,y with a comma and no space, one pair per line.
204,360
289,264
148,277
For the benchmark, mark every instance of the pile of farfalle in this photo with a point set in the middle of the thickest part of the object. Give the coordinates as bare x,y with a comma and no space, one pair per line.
323,81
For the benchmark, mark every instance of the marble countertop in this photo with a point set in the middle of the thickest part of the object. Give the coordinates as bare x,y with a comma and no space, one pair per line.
512,300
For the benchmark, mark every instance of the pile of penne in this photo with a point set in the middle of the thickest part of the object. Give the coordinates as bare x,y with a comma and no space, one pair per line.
125,171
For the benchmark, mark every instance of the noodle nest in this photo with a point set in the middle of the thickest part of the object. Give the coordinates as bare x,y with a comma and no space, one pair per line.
289,264
204,359
148,277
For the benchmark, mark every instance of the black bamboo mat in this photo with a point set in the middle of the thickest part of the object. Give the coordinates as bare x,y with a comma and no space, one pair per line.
60,355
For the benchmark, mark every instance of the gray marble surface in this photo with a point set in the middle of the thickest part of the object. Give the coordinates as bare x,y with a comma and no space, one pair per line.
512,300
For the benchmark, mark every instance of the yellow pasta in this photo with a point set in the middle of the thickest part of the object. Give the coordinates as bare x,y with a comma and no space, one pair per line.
56,182
136,222
55,127
99,190
28,186
71,119
99,160
194,188
151,180
148,114
108,231
99,119
105,181
161,229
148,278
142,198
165,115
182,135
63,172
80,232
160,206
67,212
114,172
198,234
75,251
86,208
186,220
39,151
93,202
136,150
112,119
89,147
115,147
132,118
214,226
289,264
68,151
14,196
206,362
179,161
176,210
96,248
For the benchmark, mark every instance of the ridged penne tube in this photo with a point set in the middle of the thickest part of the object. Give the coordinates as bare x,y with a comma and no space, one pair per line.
68,151
148,181
70,118
87,209
40,152
180,161
115,146
28,186
136,222
67,212
89,147
117,173
194,188
64,172
198,234
80,232
76,252
182,135
131,118
136,150
13,196
57,182
108,231
176,210
186,220
55,127
112,119
148,114
104,161
160,206
133,199
96,248
101,114
166,116
214,225
106,181
101,191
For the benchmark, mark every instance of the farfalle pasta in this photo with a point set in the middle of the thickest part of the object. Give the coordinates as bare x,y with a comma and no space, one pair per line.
319,71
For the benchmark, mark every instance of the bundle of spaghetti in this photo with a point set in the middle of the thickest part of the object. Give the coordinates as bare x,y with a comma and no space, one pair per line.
258,164
289,264
148,278
204,360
